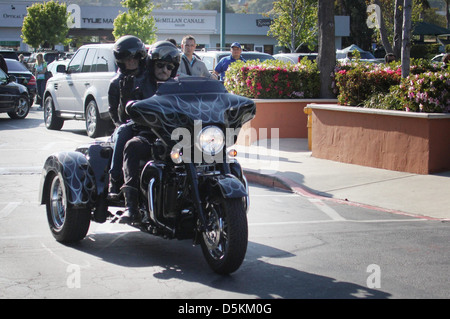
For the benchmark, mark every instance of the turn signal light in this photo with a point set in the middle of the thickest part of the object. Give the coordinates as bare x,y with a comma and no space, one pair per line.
232,153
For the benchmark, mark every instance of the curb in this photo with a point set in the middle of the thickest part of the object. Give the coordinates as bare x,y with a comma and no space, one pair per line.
287,184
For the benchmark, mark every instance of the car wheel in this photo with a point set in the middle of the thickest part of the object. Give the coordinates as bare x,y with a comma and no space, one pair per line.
22,109
52,121
95,126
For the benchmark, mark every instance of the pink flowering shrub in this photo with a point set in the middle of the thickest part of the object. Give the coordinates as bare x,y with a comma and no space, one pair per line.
427,89
355,84
425,92
273,79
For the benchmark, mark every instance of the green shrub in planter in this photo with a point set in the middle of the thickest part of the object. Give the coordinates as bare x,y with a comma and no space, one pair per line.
356,82
273,79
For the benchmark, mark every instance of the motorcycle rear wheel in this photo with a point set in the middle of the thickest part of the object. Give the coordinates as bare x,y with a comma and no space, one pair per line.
67,224
224,243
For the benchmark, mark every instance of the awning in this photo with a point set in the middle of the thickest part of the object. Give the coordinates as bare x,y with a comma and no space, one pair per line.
424,28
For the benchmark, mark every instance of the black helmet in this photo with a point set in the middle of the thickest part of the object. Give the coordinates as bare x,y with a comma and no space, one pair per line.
127,47
167,52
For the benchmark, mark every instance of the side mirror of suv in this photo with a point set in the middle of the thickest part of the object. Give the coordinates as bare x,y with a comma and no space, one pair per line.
61,68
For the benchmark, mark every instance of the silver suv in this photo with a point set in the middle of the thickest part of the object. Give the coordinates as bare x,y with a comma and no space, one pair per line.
79,91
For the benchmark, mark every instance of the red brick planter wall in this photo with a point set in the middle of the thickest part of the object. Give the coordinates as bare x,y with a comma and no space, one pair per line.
401,141
285,115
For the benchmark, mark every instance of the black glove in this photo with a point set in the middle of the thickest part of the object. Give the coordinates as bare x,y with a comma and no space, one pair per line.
126,86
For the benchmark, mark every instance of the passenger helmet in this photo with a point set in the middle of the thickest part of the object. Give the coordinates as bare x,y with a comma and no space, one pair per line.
127,47
167,52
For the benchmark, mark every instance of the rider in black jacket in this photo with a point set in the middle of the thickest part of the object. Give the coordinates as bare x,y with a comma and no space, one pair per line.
129,84
163,62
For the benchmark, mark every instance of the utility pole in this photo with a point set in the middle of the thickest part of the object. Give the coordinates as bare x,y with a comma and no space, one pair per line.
222,23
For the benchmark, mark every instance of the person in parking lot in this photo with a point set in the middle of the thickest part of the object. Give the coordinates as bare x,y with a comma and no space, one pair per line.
389,57
163,62
40,69
3,65
446,59
225,62
130,55
190,65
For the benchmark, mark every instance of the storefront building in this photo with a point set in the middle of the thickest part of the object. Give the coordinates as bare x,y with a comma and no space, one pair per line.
248,29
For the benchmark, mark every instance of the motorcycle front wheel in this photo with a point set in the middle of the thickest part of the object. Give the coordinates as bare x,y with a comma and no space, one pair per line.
67,224
224,242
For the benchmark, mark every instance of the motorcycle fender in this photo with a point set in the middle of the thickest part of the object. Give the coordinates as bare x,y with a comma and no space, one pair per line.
228,185
77,175
99,158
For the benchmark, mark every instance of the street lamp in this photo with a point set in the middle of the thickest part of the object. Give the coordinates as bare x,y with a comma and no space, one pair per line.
222,23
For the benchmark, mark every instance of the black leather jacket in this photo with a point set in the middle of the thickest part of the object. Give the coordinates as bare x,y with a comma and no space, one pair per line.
124,88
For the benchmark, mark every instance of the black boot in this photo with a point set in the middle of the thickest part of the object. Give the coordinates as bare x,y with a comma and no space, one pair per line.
114,188
131,213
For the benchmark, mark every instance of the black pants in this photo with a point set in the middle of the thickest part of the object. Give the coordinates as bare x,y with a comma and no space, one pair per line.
136,150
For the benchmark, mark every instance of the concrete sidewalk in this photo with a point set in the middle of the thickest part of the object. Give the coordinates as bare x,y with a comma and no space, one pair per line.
288,164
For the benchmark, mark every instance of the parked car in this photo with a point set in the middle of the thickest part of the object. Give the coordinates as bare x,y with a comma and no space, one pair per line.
438,58
14,98
79,91
295,57
365,56
23,76
9,54
211,58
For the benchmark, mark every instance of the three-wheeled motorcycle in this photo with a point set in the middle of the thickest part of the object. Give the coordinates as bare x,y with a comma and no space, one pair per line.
193,188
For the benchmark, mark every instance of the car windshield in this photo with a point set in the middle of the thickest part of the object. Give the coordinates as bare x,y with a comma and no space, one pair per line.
3,77
15,66
255,56
50,57
10,55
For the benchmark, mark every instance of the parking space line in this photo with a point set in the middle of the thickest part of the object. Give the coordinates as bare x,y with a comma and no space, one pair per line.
371,221
8,209
326,209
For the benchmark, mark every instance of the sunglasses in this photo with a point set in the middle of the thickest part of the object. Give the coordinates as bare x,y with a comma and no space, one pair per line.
161,65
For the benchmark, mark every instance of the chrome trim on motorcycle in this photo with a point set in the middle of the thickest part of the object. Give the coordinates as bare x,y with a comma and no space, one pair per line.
247,198
151,209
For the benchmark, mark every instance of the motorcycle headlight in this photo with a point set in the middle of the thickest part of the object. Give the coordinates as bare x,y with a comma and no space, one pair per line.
211,140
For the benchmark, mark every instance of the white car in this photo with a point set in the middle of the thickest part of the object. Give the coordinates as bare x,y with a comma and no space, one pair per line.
79,91
211,58
438,58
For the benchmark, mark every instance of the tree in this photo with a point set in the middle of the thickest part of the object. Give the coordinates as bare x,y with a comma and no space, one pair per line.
295,23
391,21
327,52
406,39
215,5
138,21
360,33
45,25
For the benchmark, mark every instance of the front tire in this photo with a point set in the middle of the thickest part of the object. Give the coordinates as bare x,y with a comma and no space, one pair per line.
51,120
22,109
95,126
67,224
224,243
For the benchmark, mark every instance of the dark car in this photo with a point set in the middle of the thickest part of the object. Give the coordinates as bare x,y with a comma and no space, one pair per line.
14,97
23,76
9,54
49,57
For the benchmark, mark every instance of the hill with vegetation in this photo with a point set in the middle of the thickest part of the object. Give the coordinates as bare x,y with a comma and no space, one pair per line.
234,6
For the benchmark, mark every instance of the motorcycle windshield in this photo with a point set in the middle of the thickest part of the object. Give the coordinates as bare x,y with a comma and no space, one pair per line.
179,103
